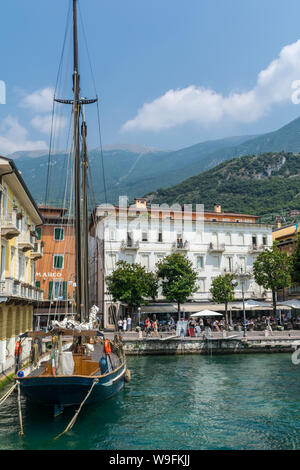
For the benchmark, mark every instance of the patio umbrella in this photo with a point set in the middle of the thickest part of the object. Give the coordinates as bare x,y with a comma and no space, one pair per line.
207,313
290,303
250,304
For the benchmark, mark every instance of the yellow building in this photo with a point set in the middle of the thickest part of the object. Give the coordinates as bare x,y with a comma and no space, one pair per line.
18,254
286,237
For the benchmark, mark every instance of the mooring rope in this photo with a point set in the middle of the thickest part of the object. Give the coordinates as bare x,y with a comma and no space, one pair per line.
21,433
7,394
72,422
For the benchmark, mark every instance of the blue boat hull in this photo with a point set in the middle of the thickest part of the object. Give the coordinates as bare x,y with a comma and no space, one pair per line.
62,391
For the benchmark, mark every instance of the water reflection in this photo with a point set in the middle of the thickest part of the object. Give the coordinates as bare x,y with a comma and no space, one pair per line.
177,402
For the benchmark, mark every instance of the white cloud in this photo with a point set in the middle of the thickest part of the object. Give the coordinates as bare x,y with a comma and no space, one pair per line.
44,123
40,101
14,137
205,107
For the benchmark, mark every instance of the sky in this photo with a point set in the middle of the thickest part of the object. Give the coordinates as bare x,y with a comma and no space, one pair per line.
168,73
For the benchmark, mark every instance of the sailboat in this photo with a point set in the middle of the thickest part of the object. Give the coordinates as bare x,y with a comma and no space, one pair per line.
88,367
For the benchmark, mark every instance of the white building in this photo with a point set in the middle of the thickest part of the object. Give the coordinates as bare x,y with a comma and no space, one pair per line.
215,242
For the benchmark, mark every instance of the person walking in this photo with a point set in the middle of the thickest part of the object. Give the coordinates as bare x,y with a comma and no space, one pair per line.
128,323
124,324
120,324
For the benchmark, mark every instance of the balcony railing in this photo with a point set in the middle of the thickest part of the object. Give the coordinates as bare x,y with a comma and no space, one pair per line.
9,228
181,246
26,242
216,247
37,251
254,248
15,288
130,245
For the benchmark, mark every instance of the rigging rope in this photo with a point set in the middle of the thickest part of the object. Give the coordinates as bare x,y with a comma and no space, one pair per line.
72,422
7,394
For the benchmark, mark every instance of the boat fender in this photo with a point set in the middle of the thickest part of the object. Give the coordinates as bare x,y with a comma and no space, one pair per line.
127,376
18,349
103,365
107,347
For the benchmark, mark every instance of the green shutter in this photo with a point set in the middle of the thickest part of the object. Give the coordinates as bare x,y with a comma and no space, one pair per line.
38,284
65,294
58,261
50,290
58,234
38,233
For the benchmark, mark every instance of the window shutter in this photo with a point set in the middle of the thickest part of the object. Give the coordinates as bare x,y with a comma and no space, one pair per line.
65,296
50,290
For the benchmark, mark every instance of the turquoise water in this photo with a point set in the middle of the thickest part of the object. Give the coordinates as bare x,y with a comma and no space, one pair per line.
184,402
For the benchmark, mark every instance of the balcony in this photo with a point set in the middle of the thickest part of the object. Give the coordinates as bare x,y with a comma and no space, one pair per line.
228,271
15,288
180,246
256,248
25,242
130,245
9,227
37,251
216,247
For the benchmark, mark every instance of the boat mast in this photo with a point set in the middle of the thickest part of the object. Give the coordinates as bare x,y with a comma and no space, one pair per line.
81,208
85,260
76,114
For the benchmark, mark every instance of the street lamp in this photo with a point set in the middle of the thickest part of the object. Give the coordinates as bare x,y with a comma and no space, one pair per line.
243,296
139,313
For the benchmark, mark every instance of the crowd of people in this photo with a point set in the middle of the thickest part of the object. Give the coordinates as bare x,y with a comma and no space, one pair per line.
196,326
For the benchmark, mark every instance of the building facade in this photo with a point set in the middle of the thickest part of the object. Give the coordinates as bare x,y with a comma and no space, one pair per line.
215,242
55,272
19,251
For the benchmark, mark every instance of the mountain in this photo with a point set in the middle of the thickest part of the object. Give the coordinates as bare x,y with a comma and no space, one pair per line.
129,170
135,171
257,184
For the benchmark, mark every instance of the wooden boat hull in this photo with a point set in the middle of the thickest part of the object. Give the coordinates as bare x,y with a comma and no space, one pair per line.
62,391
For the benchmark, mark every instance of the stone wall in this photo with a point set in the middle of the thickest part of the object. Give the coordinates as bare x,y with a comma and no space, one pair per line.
212,346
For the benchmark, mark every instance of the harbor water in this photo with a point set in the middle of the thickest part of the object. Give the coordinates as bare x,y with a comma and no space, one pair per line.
177,402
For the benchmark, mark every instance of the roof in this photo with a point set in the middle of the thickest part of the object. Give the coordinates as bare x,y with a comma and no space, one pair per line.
4,171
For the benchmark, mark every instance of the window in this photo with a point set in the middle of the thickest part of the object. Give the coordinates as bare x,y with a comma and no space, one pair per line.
12,261
129,259
200,262
215,262
38,232
159,257
58,261
58,234
240,238
21,267
58,290
160,237
111,261
227,238
201,285
242,264
229,264
254,241
145,261
144,237
214,239
112,235
265,240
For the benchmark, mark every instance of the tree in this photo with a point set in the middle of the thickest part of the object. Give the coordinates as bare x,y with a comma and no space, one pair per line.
296,263
131,284
222,290
178,278
272,270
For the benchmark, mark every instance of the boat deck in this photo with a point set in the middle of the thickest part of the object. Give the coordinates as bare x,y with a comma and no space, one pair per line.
84,364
